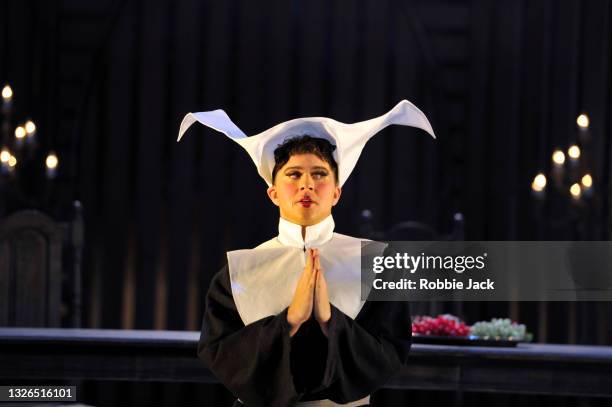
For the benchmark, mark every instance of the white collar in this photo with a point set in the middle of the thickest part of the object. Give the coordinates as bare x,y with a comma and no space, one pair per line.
290,234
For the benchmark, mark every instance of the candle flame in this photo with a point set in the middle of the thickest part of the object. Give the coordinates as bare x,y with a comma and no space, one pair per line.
52,161
583,121
20,132
574,152
558,157
30,127
5,156
539,183
7,92
576,191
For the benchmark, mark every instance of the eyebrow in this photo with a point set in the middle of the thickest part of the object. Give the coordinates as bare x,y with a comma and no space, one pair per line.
297,167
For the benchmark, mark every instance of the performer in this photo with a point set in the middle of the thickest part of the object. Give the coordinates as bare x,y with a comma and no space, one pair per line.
285,323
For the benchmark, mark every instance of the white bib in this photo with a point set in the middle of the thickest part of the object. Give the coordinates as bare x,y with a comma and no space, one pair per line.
264,279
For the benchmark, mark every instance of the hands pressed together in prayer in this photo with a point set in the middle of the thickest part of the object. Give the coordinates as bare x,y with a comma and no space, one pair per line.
310,297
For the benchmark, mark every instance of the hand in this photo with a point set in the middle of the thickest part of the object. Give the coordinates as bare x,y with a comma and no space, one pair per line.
301,306
322,308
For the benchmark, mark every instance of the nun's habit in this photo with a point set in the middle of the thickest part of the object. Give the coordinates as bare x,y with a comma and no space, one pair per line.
245,334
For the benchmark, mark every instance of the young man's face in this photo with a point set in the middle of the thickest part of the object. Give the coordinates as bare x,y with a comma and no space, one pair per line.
305,190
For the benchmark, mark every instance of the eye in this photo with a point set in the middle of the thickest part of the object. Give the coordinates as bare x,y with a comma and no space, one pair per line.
294,174
319,174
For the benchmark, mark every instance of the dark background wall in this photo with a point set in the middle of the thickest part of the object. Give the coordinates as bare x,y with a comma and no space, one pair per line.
501,81
109,81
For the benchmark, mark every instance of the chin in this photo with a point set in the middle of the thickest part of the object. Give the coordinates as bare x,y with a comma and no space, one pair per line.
312,221
305,221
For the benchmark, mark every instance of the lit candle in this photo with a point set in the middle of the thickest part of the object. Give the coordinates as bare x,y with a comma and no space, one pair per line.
12,163
538,186
20,134
5,157
587,184
576,191
30,131
583,123
7,97
51,163
558,159
574,153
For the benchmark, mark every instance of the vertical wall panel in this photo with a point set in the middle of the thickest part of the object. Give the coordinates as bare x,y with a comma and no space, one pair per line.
181,186
533,153
310,57
503,158
117,203
407,172
344,92
369,171
89,176
248,191
564,74
214,150
277,92
150,176
480,40
607,11
4,40
278,38
594,86
18,26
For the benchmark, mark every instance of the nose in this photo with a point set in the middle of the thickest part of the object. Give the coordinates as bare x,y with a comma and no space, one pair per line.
307,182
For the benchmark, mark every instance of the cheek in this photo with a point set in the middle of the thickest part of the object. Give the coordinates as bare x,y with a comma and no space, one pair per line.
287,190
326,191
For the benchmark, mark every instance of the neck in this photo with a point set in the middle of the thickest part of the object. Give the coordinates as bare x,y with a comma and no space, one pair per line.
292,234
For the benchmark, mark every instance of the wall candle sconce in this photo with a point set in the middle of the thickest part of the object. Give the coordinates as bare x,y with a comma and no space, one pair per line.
20,164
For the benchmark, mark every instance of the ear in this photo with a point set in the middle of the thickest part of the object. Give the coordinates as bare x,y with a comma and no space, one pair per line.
337,193
272,194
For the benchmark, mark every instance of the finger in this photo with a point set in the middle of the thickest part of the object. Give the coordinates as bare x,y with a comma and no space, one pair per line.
309,261
317,260
312,287
313,279
322,283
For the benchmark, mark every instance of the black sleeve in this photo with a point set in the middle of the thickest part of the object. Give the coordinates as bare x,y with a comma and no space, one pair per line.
253,361
365,353
260,364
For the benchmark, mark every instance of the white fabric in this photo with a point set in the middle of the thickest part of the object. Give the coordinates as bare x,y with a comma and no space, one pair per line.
290,234
329,403
349,139
264,279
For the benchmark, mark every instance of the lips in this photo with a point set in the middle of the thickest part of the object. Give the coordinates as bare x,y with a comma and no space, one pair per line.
306,202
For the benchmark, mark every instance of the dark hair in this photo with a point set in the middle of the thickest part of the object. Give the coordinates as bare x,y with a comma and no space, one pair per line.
304,145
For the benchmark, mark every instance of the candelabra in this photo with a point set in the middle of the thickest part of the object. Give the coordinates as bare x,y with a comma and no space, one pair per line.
20,160
568,191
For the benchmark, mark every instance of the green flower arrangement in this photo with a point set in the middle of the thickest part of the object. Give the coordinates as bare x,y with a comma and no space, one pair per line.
501,328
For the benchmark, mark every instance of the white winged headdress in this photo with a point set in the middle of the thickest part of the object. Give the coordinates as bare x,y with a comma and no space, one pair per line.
349,139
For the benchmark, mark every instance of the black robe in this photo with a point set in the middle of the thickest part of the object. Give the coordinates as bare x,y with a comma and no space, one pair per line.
264,367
